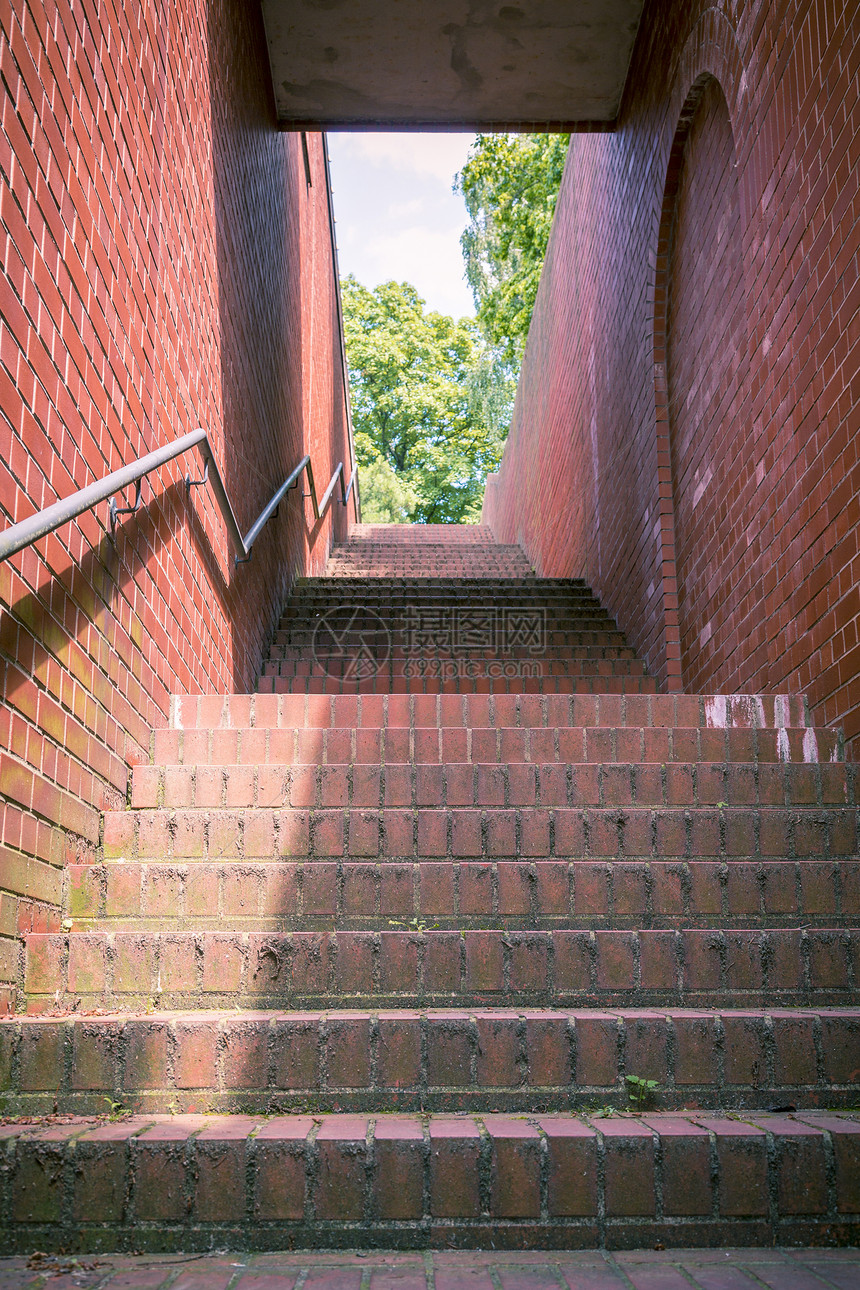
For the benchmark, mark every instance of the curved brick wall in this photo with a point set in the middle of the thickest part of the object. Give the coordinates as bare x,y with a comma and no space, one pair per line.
596,480
165,264
707,374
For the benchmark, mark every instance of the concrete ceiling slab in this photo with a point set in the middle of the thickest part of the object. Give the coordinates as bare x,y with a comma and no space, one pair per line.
472,64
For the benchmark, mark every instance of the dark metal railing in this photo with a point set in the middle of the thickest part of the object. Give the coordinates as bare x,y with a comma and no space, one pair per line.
52,517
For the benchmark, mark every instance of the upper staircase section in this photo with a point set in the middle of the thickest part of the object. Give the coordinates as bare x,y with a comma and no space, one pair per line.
430,609
433,551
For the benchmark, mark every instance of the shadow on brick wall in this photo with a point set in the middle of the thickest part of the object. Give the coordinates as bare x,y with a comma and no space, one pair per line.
257,191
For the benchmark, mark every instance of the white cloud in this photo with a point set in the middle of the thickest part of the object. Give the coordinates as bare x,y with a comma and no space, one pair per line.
440,155
397,216
422,256
402,210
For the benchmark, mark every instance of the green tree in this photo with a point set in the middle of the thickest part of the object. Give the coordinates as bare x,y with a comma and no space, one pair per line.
510,184
385,498
420,402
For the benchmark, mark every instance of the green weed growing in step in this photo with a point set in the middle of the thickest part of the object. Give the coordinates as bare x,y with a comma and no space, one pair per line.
640,1091
414,924
117,1111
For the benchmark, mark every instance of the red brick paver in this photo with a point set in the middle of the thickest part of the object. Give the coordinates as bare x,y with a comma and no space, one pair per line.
796,1269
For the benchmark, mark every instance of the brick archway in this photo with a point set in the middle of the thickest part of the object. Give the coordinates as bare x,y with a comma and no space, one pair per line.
707,376
710,55
700,367
661,388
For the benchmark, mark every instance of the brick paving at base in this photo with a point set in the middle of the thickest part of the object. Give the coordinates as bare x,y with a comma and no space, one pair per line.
702,1269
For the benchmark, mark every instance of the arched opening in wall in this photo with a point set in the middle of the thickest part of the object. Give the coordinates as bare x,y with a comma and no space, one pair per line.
701,355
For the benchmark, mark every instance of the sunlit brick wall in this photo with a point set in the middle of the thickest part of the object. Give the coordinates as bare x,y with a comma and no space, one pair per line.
686,433
165,264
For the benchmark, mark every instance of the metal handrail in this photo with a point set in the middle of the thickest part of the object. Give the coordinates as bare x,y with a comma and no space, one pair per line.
21,535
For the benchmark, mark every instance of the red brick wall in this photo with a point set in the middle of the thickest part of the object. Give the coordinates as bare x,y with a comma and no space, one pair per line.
699,311
164,265
707,375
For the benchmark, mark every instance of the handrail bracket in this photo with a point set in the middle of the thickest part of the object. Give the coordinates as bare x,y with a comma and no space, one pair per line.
197,483
114,511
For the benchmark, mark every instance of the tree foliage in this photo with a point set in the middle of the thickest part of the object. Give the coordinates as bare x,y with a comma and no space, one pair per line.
385,498
510,184
432,396
421,403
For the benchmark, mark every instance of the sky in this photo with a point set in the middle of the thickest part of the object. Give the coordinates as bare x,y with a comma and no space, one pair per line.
396,216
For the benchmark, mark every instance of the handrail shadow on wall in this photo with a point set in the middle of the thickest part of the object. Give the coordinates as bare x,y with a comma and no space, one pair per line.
52,517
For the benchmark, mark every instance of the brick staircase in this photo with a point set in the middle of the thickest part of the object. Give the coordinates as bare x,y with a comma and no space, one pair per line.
375,952
381,623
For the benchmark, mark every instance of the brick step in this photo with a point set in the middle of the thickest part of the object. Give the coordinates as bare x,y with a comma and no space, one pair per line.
367,601
303,635
605,711
396,537
692,967
418,576
426,555
597,833
424,582
357,646
424,576
495,784
389,667
437,573
201,1182
364,602
307,895
437,542
376,550
442,541
507,584
430,559
483,549
424,564
513,1060
431,745
429,562
382,684
433,565
422,534
384,565
423,579
417,571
